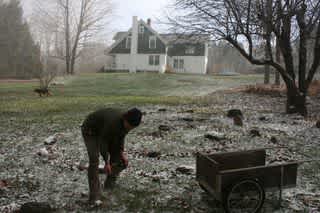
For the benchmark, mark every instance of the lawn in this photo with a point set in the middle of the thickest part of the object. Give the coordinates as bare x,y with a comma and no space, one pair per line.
189,110
87,92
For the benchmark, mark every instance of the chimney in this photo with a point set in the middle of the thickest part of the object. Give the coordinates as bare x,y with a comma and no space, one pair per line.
149,22
134,43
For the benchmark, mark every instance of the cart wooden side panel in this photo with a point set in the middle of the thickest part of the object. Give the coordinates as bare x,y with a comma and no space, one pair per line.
270,176
240,159
207,171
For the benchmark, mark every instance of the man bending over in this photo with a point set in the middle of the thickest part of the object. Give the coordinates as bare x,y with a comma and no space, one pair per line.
103,132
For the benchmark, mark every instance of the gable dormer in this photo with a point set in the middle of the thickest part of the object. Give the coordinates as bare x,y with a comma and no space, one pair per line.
122,45
149,42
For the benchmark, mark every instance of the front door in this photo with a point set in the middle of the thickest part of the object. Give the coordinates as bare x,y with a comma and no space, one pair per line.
178,64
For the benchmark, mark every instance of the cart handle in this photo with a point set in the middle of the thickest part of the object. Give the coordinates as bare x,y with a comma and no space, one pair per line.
308,161
295,148
285,147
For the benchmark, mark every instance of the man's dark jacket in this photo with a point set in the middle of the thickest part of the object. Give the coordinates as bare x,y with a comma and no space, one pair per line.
107,127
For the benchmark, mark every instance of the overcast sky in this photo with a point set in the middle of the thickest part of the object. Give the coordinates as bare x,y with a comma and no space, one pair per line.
124,10
144,9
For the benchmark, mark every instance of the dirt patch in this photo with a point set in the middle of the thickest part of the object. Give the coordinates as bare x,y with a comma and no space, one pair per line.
18,81
274,90
262,89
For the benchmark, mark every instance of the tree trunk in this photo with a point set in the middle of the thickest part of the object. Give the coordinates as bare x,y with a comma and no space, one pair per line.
278,48
296,101
277,78
74,49
72,64
67,64
73,55
278,60
268,36
67,34
266,74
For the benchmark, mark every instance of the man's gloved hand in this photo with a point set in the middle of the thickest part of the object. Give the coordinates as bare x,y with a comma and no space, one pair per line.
107,168
124,159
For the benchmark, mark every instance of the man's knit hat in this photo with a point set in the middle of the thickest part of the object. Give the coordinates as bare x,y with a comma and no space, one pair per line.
133,116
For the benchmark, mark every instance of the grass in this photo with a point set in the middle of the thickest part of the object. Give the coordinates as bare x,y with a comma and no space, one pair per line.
87,92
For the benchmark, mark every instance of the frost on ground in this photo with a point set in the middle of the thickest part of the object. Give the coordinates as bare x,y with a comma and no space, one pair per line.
45,165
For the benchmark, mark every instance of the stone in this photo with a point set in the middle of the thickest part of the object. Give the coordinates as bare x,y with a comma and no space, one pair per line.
156,179
83,194
162,110
50,140
43,152
186,170
255,133
273,139
318,124
156,134
237,121
213,137
262,118
187,119
153,154
98,203
164,128
24,196
36,207
82,166
234,112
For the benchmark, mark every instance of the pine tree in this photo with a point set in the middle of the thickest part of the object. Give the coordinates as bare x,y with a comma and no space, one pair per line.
19,56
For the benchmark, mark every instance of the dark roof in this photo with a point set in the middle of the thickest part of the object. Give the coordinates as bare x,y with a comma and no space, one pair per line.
118,35
174,38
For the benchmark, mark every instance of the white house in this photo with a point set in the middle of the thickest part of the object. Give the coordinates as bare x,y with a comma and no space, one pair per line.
141,48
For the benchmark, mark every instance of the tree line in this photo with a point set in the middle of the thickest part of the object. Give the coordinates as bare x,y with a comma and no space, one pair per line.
19,54
52,40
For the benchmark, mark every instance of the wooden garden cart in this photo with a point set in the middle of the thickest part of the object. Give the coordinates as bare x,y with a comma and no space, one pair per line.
239,179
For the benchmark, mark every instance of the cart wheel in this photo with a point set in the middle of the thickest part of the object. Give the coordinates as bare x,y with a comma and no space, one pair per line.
203,188
244,196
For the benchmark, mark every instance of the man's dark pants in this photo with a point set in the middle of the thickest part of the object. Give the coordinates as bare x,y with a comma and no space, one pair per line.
93,148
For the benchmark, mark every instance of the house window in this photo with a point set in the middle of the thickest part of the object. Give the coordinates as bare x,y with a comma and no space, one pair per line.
152,42
128,42
190,50
175,63
141,29
181,64
178,64
151,60
154,60
113,61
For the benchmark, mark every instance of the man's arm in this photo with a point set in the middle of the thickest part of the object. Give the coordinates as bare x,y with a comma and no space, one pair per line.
105,156
123,156
107,164
105,152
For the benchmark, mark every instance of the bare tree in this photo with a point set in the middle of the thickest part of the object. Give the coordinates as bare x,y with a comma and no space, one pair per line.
77,23
45,27
65,6
278,60
242,24
46,75
267,10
